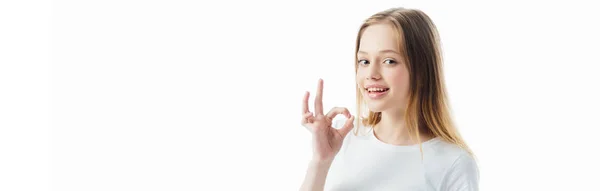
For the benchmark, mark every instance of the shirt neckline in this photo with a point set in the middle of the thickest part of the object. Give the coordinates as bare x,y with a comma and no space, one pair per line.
375,141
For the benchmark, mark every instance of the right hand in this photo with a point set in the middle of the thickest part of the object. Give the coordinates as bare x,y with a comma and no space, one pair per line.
327,140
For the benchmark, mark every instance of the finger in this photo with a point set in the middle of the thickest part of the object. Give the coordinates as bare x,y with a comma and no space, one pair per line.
305,103
347,126
319,99
307,118
336,111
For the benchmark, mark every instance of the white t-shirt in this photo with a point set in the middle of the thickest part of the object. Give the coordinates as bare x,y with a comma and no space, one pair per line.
366,163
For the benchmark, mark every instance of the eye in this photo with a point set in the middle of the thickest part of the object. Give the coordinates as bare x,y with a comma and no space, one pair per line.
363,62
390,61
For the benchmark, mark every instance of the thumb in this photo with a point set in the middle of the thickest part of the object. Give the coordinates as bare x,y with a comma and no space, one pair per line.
347,126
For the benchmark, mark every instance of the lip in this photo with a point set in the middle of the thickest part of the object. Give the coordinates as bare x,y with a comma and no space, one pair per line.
375,86
376,95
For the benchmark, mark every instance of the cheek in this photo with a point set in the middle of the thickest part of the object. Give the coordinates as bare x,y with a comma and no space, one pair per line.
400,79
359,77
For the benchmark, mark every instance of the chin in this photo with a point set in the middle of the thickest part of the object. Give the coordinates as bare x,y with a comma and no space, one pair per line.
376,106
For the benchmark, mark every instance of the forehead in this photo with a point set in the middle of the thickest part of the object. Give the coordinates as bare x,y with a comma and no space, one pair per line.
379,37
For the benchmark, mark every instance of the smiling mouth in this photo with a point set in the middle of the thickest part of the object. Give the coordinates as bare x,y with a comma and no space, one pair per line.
377,90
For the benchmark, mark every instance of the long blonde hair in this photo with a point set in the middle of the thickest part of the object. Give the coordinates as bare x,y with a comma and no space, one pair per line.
427,109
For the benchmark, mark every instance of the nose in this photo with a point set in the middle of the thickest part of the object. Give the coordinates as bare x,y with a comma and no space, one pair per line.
373,73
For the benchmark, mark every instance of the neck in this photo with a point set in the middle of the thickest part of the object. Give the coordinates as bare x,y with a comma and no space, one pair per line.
392,129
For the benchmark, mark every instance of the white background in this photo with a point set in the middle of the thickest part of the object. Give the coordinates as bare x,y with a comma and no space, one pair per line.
189,95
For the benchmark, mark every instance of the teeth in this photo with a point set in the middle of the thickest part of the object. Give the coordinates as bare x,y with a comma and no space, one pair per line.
376,89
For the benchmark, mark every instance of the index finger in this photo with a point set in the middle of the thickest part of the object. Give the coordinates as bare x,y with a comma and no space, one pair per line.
336,111
319,98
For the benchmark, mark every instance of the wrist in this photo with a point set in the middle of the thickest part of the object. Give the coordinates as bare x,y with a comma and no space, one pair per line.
322,159
321,162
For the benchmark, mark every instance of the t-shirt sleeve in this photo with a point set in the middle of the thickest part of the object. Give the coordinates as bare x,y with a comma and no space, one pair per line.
463,175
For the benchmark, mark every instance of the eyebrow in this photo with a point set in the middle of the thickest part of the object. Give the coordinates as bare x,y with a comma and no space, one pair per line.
383,51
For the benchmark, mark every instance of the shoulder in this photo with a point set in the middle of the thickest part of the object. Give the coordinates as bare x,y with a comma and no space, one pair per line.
459,170
339,122
356,134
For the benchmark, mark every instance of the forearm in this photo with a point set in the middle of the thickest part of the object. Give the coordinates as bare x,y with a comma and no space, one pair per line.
315,176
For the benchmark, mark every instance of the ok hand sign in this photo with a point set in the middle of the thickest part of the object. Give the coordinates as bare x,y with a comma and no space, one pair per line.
327,140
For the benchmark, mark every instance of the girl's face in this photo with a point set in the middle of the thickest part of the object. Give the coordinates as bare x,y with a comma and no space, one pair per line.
382,75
